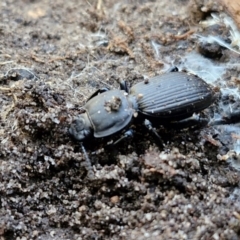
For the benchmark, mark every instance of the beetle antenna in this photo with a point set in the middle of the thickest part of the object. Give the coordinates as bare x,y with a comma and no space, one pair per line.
87,162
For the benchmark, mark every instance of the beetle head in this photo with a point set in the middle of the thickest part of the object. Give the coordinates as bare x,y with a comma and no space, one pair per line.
80,128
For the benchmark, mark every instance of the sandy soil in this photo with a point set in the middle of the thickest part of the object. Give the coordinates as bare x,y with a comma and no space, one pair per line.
53,56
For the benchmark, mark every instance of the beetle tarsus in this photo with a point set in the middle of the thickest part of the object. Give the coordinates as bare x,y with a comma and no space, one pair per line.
128,134
149,126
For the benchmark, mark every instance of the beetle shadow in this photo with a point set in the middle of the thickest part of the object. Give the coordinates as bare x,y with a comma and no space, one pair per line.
102,151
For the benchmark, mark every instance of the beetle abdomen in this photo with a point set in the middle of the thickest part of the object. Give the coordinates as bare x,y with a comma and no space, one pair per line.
172,96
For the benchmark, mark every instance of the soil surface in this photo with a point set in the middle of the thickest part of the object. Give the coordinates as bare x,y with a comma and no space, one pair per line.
53,56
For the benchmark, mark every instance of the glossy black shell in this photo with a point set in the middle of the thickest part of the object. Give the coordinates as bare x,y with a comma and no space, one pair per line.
172,96
105,120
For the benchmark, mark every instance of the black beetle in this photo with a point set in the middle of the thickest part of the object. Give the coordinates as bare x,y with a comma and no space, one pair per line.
172,96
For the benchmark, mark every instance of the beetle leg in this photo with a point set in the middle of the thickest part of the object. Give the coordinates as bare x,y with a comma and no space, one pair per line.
88,164
195,120
149,126
128,134
124,86
230,118
99,91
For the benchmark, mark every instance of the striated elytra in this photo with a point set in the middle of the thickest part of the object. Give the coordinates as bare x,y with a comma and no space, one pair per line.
172,96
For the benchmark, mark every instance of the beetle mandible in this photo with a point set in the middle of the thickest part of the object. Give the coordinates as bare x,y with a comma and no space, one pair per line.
172,96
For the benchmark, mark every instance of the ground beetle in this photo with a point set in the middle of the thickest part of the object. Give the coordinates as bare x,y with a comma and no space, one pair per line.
172,96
